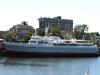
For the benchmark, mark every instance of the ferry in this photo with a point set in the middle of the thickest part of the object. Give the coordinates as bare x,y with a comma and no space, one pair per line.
52,46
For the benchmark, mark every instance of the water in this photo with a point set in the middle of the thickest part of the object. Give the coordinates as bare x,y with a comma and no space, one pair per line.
49,66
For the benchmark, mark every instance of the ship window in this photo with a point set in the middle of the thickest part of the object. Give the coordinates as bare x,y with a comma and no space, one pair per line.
33,41
40,42
43,42
46,42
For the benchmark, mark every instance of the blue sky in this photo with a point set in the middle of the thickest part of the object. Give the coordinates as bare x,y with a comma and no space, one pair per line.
13,12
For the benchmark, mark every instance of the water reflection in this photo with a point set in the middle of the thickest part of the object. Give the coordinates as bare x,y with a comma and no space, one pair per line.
49,66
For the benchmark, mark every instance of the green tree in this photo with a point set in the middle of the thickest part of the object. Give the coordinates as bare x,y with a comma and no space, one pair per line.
51,31
79,30
55,31
40,31
10,36
27,37
87,36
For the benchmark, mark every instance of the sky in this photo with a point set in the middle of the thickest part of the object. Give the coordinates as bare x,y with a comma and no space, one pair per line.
13,12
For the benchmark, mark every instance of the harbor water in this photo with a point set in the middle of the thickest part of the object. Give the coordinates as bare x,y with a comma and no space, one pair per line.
49,66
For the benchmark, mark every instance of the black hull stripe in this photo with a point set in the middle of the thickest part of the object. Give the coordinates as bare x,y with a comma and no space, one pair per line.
49,54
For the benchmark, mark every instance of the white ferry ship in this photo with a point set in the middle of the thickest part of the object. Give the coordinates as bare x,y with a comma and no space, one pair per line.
52,46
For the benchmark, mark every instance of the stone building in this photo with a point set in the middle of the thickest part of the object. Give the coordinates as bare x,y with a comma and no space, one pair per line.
65,25
22,29
2,34
95,36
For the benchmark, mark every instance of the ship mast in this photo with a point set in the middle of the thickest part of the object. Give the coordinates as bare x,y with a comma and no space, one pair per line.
35,32
46,30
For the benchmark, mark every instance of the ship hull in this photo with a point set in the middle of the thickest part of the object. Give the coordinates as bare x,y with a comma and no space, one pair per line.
48,54
25,50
